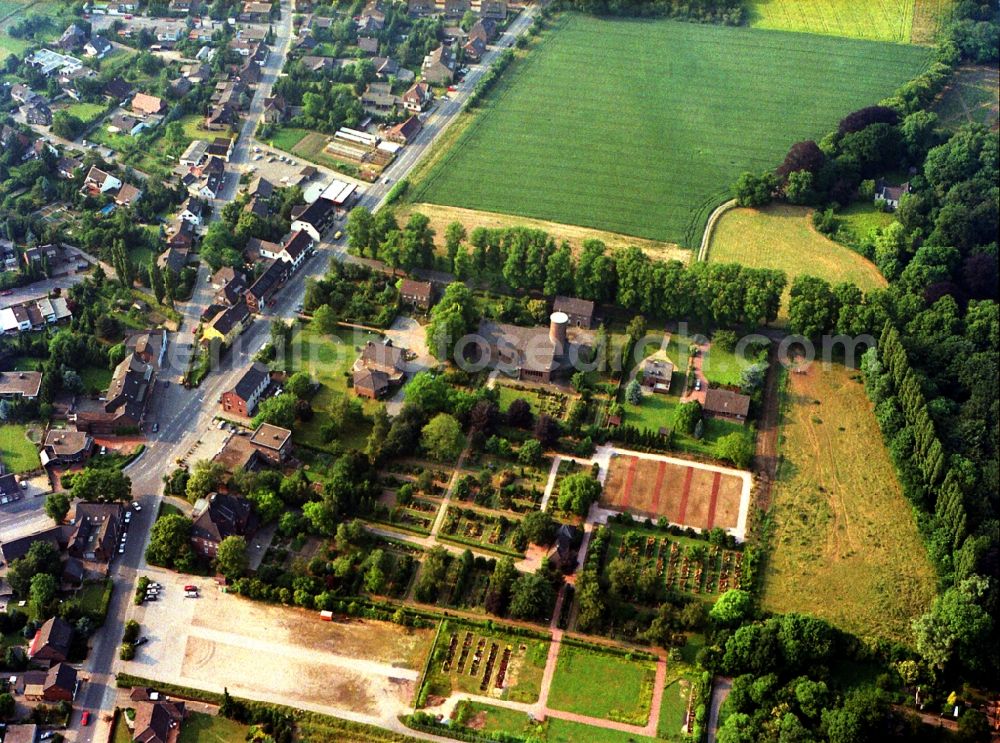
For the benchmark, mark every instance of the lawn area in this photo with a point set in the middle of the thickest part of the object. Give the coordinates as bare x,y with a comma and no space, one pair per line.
581,685
327,359
202,728
858,220
881,20
723,367
91,596
193,128
13,11
96,377
564,148
845,546
681,673
541,401
973,95
783,237
86,112
489,719
287,137
17,452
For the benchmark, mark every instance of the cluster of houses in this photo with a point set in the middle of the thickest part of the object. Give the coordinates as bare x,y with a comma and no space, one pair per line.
99,182
34,314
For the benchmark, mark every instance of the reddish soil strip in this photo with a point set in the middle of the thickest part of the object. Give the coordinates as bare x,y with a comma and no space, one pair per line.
715,499
682,511
629,481
660,472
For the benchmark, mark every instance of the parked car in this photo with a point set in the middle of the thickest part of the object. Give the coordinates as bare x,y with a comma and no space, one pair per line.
190,594
156,427
136,506
190,587
85,717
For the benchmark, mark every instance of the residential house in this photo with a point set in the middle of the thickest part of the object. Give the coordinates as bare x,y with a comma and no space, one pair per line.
148,345
228,324
249,73
657,375
474,49
183,7
50,63
192,210
579,311
238,455
97,528
315,218
242,399
72,38
67,167
127,195
265,286
223,516
38,113
52,642
123,124
418,97
367,44
180,87
726,404
439,66
273,442
10,488
119,90
15,549
457,8
20,385
222,148
221,117
125,401
195,153
261,188
212,186
147,105
494,9
158,721
318,64
405,131
21,734
378,99
98,47
535,354
275,110
58,684
421,7
256,249
21,93
99,181
254,12
379,368
181,237
891,195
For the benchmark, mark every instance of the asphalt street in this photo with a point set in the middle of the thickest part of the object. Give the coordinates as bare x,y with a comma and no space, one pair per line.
183,415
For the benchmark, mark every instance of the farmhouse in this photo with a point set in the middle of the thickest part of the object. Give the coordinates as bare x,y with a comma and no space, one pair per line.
891,195
580,312
273,442
726,404
405,131
380,368
243,397
223,516
534,354
416,293
18,385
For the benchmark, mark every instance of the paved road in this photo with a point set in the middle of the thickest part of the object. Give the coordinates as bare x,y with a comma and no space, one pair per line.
184,414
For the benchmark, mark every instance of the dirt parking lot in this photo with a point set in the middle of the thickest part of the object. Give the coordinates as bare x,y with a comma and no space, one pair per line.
287,655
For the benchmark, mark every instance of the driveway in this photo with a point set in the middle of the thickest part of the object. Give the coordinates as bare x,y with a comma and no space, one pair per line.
407,333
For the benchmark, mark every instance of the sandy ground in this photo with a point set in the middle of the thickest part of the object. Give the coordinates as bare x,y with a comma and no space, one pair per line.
221,641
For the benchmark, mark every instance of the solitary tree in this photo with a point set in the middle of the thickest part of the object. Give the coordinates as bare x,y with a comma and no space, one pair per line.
442,437
231,557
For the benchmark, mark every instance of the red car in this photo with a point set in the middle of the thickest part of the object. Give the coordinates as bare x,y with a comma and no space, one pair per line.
190,588
452,88
85,719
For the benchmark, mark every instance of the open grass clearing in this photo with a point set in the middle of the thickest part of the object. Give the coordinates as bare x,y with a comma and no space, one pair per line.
96,377
17,452
441,216
86,112
858,220
845,546
972,96
581,685
880,20
783,237
574,154
201,728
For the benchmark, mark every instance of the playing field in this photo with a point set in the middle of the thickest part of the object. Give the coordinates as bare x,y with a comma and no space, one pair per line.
702,497
882,20
641,127
782,236
845,546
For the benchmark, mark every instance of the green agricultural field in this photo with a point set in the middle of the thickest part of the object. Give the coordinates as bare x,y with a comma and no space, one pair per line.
581,685
17,452
570,136
783,237
882,20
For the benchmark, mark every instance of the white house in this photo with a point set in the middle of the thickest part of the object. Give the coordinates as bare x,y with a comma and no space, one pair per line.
191,210
101,181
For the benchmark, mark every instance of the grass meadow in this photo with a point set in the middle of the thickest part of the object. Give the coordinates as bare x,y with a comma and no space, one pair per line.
881,20
844,545
202,728
972,96
17,452
570,136
782,236
581,685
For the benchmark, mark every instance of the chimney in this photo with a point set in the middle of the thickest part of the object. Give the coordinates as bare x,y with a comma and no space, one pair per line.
558,322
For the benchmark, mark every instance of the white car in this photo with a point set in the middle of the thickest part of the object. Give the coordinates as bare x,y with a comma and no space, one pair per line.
128,516
190,594
136,506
